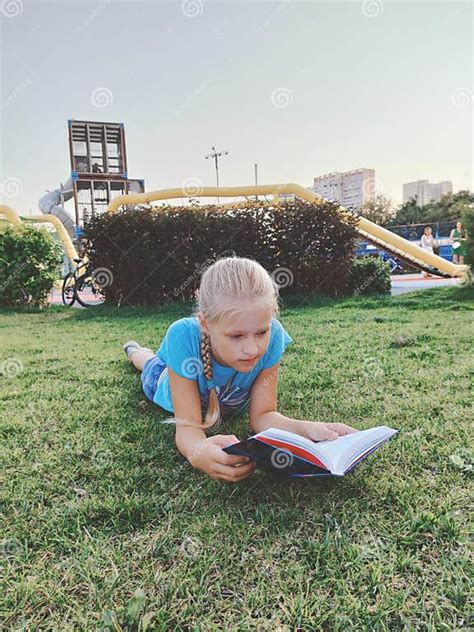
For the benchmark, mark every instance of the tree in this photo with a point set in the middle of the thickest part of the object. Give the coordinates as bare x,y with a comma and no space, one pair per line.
379,211
451,206
408,213
468,225
449,209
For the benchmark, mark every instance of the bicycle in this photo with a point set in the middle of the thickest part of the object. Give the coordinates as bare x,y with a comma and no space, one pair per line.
81,286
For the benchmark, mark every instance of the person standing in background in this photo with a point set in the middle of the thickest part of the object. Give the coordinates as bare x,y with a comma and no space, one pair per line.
458,239
427,243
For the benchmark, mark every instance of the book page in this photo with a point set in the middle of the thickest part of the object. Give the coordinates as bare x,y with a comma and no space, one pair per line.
336,455
289,437
339,453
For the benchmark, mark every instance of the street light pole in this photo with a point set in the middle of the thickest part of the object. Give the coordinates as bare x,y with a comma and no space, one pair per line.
216,155
256,178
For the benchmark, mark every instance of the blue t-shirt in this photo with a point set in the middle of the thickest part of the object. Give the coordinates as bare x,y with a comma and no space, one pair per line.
180,350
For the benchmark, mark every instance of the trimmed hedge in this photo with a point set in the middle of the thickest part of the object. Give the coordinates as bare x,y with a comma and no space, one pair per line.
369,275
158,255
29,265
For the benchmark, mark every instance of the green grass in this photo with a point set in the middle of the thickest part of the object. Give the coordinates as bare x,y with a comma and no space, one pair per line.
100,506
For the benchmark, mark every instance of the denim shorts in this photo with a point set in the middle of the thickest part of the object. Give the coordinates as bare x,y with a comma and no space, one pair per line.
152,370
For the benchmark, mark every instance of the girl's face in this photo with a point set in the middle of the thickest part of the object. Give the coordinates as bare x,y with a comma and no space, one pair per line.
428,231
239,341
459,225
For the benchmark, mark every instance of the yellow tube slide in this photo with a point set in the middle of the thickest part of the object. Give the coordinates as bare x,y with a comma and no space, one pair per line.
66,241
388,241
10,215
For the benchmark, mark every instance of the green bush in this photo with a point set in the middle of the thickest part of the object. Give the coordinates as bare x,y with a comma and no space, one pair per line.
157,255
29,262
369,275
468,225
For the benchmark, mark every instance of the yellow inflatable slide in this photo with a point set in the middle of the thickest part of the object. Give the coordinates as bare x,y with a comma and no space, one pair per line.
399,247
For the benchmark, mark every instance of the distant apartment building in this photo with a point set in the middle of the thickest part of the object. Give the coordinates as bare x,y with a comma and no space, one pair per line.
425,192
351,188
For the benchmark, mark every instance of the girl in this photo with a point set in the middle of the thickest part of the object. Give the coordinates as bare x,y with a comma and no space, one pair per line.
221,361
427,243
457,238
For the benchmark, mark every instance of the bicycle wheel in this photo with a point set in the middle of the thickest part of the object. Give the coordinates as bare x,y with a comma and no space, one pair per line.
87,292
68,294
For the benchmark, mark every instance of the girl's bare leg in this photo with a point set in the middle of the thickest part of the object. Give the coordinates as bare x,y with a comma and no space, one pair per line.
138,358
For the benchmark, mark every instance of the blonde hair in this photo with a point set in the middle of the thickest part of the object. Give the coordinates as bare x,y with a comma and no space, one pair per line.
228,278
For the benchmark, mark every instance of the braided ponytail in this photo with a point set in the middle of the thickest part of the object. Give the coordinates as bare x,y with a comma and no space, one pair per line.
213,416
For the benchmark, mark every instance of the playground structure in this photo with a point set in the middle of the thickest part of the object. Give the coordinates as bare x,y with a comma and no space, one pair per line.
382,238
99,173
52,205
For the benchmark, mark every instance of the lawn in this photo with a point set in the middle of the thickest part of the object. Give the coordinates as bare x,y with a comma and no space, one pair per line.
106,526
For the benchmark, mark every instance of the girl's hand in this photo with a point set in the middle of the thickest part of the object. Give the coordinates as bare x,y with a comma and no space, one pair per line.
317,431
209,457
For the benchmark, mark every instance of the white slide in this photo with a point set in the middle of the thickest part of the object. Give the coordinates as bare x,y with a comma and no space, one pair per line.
52,203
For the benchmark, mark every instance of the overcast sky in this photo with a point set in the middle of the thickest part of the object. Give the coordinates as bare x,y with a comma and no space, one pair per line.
301,88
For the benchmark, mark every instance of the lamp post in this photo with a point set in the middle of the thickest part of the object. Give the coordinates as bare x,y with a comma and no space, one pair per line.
256,178
216,155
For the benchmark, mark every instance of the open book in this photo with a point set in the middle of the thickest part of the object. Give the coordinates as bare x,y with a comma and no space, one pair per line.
291,455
